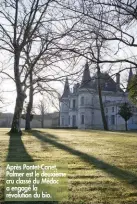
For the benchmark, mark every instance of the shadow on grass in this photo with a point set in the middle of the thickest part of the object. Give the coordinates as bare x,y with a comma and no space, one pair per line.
18,153
121,174
47,134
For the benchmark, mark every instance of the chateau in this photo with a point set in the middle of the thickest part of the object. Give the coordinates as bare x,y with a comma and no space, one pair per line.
81,108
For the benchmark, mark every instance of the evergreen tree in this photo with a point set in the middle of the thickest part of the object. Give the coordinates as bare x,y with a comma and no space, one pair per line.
132,88
125,112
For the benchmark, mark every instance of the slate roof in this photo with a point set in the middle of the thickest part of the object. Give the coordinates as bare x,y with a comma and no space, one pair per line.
129,78
130,74
88,82
107,83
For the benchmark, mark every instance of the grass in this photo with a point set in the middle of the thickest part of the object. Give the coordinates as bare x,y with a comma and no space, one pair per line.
102,165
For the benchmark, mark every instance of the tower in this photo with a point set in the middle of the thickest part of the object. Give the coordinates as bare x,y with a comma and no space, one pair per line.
86,79
129,78
64,105
85,100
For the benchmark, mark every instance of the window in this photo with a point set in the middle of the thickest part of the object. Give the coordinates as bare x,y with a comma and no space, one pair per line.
112,120
74,103
69,120
106,85
74,121
82,119
112,109
62,121
82,101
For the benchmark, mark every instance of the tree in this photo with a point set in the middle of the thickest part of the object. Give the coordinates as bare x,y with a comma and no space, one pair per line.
41,85
132,89
87,42
99,87
23,22
43,110
28,25
23,116
125,112
118,19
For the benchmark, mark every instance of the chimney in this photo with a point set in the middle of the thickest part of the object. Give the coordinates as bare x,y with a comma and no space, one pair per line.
75,88
117,81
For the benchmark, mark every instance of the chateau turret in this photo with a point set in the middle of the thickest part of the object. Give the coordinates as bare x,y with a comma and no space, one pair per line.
64,105
129,77
66,91
86,79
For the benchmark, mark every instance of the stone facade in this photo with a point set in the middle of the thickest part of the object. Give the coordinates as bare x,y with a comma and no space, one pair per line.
81,108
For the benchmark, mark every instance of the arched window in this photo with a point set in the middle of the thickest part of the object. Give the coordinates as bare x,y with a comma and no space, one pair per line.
82,101
69,120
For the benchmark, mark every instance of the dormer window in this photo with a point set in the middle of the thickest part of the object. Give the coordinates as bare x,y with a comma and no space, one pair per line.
82,101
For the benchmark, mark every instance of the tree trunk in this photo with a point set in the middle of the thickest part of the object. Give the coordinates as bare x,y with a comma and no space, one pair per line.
30,105
28,117
15,128
42,121
126,125
105,125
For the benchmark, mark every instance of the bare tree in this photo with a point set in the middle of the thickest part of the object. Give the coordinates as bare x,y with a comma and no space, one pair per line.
98,47
118,22
42,107
118,28
85,40
27,22
43,70
22,23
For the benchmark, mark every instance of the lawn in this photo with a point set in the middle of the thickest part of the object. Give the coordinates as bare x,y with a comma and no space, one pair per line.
102,165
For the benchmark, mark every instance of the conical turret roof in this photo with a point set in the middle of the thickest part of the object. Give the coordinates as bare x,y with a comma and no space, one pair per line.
66,91
86,79
129,77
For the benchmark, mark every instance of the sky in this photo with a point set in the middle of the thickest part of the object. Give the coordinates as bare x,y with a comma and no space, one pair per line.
8,89
9,93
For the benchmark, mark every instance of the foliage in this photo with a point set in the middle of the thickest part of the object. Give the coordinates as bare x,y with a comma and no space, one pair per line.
132,88
125,111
